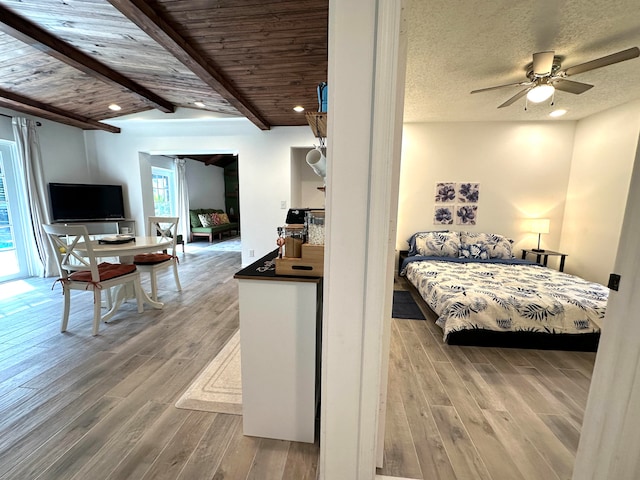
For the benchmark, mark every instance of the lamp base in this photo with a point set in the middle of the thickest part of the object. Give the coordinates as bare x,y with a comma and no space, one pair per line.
538,250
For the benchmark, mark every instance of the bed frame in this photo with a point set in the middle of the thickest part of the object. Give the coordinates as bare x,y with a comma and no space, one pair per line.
579,342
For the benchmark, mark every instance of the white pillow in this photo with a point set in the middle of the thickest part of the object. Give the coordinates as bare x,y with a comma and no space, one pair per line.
485,245
438,244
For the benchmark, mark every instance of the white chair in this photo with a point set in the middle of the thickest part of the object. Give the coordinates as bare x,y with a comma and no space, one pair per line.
165,227
81,271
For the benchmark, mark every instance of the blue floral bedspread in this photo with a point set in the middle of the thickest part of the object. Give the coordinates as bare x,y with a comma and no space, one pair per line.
467,294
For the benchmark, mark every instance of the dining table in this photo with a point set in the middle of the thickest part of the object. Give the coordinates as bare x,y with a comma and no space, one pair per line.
125,248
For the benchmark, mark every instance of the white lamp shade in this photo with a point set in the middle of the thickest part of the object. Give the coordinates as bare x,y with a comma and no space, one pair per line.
539,225
540,93
318,162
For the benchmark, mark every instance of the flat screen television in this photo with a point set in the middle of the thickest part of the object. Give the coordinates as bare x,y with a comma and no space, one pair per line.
76,202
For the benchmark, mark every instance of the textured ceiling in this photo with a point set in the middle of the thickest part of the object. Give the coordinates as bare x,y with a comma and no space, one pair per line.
455,47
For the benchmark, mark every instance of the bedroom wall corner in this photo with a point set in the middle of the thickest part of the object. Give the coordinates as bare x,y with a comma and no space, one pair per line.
603,156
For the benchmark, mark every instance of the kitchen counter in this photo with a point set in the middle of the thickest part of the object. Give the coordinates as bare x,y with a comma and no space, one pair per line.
280,317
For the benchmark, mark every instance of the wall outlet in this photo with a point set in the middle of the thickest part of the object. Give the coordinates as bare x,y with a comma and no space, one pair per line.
252,253
283,204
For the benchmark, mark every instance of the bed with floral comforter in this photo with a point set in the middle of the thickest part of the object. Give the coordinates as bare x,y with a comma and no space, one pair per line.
506,295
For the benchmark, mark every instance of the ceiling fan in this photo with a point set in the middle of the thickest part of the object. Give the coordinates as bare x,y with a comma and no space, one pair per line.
545,75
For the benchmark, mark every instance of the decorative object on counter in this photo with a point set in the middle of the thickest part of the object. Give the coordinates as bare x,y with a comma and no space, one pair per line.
310,263
293,240
315,227
280,241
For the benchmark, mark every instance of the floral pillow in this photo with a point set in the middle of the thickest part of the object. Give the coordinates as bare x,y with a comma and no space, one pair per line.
437,244
207,219
485,245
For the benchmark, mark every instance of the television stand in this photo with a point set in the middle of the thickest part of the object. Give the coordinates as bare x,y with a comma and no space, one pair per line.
108,227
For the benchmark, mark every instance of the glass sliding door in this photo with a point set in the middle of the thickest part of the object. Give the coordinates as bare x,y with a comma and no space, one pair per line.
12,251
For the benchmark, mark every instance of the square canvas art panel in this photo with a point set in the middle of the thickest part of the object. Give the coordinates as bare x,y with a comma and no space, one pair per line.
443,215
445,192
466,214
468,192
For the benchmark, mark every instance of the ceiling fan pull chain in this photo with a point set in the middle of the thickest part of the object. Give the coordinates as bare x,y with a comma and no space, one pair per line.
553,98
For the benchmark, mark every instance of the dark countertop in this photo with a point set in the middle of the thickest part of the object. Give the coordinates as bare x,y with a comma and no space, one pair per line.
265,269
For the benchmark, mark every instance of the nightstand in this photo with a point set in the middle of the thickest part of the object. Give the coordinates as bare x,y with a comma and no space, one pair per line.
544,256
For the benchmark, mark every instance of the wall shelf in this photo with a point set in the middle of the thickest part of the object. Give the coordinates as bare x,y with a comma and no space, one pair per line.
318,123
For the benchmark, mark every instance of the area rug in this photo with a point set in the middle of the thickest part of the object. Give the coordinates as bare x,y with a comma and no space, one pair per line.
404,306
219,387
226,245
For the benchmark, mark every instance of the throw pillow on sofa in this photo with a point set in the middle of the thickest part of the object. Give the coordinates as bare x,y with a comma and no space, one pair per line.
207,219
222,218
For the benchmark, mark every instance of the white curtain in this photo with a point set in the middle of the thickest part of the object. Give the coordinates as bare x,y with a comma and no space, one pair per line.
183,198
42,261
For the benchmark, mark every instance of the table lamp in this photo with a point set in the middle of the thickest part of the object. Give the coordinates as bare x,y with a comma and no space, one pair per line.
539,226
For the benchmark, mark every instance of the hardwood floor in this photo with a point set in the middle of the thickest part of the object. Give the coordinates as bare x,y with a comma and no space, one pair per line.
74,406
480,413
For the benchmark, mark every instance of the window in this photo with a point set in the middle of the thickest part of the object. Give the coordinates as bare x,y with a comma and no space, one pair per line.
163,191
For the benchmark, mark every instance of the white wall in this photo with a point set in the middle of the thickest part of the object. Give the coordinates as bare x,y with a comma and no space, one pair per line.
523,171
604,152
264,165
62,146
206,185
304,181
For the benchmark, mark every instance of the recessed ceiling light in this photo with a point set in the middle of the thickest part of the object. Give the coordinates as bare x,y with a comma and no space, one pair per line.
199,104
558,113
299,108
115,107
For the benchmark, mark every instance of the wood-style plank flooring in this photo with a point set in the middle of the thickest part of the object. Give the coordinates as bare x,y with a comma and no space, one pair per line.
480,413
78,407
74,406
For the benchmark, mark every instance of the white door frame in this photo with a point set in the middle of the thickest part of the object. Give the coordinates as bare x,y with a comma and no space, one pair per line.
366,88
609,446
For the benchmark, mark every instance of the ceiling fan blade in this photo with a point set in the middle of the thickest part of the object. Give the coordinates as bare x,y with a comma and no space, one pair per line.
571,86
621,56
518,84
542,63
516,97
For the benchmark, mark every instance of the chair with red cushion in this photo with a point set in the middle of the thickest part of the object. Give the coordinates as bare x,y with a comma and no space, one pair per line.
165,227
81,271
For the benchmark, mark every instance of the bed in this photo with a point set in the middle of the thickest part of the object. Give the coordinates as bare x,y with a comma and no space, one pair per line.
482,295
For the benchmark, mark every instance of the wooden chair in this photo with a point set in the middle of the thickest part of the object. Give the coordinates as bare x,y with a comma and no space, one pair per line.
81,271
165,227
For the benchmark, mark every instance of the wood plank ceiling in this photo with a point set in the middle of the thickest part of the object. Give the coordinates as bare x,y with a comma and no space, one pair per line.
68,60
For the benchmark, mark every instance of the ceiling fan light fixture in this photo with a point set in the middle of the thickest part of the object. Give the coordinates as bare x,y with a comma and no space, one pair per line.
540,93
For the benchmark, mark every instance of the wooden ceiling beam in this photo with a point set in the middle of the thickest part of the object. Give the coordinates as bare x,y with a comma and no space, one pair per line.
154,25
29,106
33,35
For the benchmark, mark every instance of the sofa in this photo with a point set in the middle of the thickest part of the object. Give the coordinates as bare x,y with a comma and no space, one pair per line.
198,230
